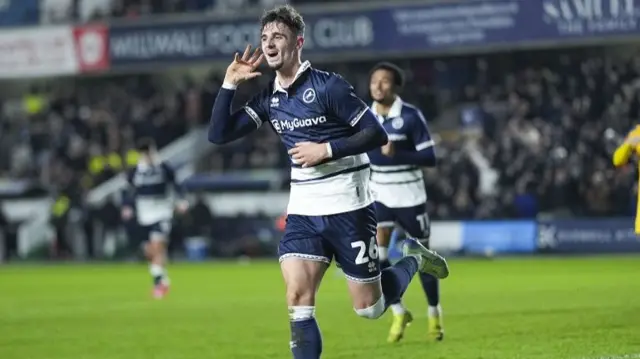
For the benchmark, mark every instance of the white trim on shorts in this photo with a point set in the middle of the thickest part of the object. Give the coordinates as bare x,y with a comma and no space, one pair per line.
308,257
386,224
157,236
362,280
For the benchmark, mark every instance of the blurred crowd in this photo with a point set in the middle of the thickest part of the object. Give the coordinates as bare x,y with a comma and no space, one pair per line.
519,135
529,132
539,145
532,137
73,135
59,11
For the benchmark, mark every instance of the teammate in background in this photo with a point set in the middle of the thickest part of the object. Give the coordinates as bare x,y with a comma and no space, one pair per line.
398,186
151,183
327,131
621,157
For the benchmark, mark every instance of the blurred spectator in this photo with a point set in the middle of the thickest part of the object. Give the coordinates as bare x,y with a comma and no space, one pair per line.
61,246
6,250
109,217
197,221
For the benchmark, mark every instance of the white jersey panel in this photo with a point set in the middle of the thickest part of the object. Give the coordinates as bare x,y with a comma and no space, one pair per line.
151,210
335,187
398,186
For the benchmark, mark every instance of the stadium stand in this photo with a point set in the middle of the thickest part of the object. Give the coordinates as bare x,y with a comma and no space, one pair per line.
540,149
519,133
65,11
526,102
87,130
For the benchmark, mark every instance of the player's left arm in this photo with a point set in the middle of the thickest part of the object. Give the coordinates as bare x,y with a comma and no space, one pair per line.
128,197
622,155
424,154
347,106
179,189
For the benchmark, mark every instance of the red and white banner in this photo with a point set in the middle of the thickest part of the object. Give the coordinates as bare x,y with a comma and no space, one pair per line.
92,47
53,51
35,52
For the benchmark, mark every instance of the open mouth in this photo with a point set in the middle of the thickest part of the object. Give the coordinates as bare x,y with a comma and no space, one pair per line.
272,55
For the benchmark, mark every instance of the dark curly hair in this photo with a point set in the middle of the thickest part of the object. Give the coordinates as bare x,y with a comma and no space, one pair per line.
398,74
287,15
146,145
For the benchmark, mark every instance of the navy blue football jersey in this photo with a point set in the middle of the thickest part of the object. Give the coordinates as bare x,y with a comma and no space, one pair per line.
395,184
318,107
154,187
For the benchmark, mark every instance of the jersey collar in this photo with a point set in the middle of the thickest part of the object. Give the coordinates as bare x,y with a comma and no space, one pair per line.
394,111
303,67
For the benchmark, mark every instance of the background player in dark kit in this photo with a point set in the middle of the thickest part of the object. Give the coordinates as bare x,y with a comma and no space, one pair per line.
398,184
152,187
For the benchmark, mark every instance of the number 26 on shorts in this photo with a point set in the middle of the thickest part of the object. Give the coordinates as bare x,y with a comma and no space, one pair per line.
364,257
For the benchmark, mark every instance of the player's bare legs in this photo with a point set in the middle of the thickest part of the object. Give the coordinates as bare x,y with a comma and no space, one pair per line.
430,285
401,316
371,298
156,251
302,280
383,237
431,288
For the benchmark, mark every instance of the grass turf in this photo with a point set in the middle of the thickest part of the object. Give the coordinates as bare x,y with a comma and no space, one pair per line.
542,308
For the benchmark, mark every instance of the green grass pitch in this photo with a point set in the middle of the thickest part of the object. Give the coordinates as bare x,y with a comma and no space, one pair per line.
534,308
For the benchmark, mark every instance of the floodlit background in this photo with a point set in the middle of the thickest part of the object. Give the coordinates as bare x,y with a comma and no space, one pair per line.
527,100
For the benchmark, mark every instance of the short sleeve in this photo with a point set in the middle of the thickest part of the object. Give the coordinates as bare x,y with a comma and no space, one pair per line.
169,172
129,176
342,101
256,108
420,132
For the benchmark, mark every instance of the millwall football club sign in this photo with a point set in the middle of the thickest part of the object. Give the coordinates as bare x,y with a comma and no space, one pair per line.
583,17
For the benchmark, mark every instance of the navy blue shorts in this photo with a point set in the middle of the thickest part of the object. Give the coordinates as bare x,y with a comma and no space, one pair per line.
413,220
162,228
348,237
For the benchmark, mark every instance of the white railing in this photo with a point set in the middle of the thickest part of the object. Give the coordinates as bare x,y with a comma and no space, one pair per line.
183,150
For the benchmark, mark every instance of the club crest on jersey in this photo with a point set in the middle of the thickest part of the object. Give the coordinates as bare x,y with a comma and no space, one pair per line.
397,123
275,102
309,95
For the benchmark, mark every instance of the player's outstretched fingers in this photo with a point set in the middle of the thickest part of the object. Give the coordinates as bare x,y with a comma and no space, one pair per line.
247,52
255,56
257,61
253,75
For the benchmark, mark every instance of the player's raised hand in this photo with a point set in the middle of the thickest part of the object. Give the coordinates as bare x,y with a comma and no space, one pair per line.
182,206
633,140
309,154
389,149
244,68
127,213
